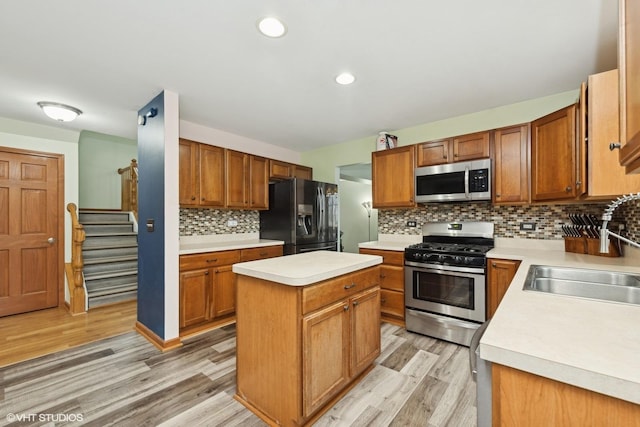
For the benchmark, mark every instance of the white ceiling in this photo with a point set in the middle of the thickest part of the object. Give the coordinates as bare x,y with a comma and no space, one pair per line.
415,61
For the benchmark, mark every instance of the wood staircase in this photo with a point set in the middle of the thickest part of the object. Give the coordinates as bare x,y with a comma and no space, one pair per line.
110,254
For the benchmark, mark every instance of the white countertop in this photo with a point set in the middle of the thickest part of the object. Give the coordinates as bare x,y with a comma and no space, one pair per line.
590,344
306,268
391,242
223,242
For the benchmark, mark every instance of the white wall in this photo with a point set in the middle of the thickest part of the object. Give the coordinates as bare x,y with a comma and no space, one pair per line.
354,221
29,136
211,136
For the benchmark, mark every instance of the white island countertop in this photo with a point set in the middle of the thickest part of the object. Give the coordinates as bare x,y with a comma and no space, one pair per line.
306,268
587,343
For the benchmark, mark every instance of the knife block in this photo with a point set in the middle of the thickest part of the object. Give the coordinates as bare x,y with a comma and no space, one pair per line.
589,246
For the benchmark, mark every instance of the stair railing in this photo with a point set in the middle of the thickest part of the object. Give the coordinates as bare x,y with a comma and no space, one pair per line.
77,303
129,187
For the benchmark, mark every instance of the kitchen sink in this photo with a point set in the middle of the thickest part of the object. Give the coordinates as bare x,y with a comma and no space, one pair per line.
585,283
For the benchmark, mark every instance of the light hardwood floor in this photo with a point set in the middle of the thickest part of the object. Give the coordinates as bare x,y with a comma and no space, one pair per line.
126,381
29,335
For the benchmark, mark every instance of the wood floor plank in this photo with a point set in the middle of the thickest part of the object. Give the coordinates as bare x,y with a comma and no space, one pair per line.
420,406
160,406
29,335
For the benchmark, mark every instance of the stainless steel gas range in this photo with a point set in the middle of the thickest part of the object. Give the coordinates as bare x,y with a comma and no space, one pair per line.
445,280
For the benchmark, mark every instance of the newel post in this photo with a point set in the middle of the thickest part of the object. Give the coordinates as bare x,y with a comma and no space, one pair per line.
76,288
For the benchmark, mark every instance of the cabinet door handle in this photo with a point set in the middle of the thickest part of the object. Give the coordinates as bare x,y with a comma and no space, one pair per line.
206,273
193,197
345,307
212,260
497,195
382,276
263,254
383,300
493,264
349,286
355,303
614,146
568,189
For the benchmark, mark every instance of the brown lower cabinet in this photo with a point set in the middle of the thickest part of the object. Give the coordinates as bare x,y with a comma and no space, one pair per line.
500,273
207,286
300,348
524,399
391,284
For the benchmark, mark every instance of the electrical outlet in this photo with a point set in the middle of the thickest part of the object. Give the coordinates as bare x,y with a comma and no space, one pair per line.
232,223
411,224
528,226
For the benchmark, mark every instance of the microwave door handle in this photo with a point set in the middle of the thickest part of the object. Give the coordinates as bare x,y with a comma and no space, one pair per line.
466,182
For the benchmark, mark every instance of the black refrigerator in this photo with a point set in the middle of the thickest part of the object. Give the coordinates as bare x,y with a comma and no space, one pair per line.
302,213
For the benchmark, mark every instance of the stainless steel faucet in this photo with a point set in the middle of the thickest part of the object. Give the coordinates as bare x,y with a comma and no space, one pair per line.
606,217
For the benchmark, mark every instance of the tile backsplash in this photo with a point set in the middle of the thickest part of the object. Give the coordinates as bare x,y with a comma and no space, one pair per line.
507,219
200,222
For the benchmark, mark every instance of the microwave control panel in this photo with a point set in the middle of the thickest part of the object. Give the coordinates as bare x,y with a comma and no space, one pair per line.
479,180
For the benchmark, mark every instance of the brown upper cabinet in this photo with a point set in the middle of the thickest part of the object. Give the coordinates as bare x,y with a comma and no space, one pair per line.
201,175
599,125
434,152
393,177
247,181
465,147
554,157
511,165
629,85
284,170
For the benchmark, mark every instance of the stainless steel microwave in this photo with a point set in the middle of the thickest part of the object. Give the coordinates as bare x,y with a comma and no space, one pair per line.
461,181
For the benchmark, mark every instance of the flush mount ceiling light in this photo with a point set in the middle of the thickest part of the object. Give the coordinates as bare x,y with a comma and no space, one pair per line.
60,112
345,78
271,27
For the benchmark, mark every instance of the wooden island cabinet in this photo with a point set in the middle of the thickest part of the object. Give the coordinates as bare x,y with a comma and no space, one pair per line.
301,347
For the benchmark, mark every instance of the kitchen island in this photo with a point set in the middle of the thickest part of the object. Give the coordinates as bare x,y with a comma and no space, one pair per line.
558,356
308,329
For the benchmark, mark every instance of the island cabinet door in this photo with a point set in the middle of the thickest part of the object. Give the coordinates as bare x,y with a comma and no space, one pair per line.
365,329
325,355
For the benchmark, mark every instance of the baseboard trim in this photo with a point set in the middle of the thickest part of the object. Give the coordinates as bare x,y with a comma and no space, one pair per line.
151,336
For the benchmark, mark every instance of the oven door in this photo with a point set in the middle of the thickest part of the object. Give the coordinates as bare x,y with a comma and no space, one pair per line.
448,290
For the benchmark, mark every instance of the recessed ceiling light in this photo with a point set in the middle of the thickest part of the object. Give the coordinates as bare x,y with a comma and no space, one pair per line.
60,112
271,27
345,78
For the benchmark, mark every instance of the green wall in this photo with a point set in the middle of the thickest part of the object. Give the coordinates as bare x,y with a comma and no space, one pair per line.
325,160
100,157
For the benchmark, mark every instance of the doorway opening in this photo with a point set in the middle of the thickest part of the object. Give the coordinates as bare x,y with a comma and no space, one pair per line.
358,223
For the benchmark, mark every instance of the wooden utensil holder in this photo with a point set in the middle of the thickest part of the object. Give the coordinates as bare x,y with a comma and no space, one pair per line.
590,246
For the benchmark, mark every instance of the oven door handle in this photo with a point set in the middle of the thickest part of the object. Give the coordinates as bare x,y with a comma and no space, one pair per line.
466,183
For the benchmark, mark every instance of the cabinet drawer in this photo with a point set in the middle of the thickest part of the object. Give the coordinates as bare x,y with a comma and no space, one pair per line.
388,257
324,293
208,259
392,303
392,277
253,254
